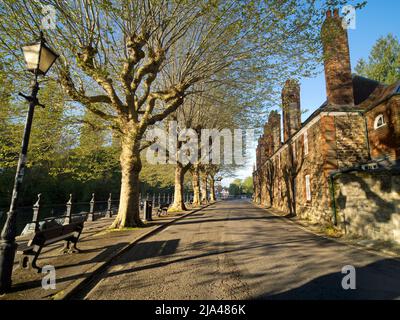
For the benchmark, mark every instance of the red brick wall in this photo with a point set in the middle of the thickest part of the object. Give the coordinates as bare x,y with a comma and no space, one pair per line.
385,141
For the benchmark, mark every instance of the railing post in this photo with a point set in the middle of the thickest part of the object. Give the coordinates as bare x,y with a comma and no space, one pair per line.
154,199
90,216
147,210
35,218
68,215
109,211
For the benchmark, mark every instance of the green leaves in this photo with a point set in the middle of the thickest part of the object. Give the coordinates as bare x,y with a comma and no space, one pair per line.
238,186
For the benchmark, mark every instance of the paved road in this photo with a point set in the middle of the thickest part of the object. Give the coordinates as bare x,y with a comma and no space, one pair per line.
233,250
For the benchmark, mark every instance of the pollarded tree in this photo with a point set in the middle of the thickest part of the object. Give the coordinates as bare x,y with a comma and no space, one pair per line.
212,170
195,171
133,63
211,110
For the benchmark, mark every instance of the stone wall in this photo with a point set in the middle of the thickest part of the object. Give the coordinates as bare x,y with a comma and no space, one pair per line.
351,140
368,204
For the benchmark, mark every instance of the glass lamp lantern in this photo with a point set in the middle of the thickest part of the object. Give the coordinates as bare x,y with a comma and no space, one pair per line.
39,57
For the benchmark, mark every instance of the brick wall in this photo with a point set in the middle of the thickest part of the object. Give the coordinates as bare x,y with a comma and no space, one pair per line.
287,170
314,165
385,141
335,141
351,140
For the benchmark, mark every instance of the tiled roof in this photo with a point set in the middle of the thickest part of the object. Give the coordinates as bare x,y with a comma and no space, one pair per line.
380,94
367,94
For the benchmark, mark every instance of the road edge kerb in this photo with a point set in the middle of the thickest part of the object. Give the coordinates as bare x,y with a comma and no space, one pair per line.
383,253
80,284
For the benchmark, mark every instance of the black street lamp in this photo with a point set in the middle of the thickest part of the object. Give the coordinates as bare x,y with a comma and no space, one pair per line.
39,58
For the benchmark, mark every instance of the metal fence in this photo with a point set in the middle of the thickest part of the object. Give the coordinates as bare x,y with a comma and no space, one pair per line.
38,212
28,217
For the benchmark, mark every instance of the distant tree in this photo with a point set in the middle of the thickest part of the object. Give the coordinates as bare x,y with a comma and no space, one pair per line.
383,63
234,189
248,185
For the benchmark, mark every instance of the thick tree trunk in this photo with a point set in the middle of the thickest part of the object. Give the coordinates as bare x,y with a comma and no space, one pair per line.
179,203
128,212
204,199
196,186
212,189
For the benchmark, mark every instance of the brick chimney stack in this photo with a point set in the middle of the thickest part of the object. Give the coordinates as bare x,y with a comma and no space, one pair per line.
291,108
339,83
274,121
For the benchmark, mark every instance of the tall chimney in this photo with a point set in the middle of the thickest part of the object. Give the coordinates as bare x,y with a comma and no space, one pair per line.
274,121
262,150
291,108
339,83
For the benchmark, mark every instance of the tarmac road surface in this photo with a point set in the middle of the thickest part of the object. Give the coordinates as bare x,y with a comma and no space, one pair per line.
234,250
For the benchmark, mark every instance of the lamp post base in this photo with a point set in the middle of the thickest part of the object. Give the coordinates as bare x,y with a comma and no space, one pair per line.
7,256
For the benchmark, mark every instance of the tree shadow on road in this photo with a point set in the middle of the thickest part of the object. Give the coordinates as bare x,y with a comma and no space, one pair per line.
369,285
193,221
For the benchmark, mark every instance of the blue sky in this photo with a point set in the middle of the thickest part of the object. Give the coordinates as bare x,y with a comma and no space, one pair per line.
376,19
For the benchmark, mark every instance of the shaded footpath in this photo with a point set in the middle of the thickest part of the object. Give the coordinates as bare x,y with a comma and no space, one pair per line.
98,247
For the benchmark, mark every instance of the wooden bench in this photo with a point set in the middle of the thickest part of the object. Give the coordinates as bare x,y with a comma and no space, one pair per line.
163,208
69,232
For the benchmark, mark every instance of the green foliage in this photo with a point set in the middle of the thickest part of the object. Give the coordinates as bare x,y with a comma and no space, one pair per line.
248,185
234,189
239,187
69,151
383,62
157,177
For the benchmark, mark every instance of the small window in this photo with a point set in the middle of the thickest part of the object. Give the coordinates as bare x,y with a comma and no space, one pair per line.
308,188
305,143
379,121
